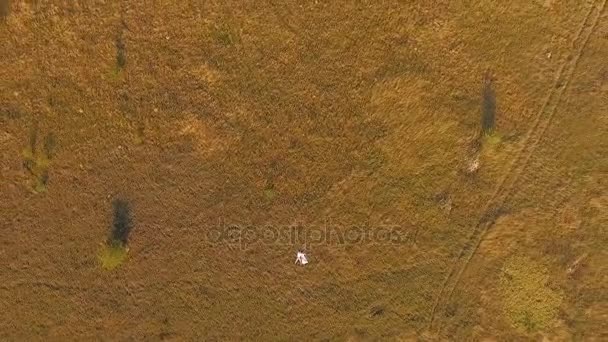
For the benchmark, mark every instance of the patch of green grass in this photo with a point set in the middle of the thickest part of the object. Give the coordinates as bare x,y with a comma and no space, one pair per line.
493,139
269,194
528,303
116,73
112,256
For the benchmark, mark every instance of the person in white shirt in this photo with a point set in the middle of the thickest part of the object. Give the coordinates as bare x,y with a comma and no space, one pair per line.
301,258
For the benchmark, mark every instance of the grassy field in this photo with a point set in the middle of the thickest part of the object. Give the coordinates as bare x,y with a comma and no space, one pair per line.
199,114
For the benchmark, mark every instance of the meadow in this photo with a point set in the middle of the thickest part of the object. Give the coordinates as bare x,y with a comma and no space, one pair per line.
133,135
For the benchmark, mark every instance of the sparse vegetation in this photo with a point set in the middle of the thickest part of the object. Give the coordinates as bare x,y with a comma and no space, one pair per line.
492,139
529,304
224,35
308,114
115,250
269,193
112,256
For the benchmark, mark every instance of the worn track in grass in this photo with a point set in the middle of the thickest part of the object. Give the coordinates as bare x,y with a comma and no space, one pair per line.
513,172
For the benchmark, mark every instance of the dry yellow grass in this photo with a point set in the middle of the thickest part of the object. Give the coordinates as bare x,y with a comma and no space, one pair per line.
358,113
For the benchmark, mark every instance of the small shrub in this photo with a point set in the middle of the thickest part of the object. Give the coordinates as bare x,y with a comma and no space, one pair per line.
493,139
115,250
111,257
225,38
41,181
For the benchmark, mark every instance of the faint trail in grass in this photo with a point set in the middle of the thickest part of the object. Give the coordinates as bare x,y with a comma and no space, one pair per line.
510,177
